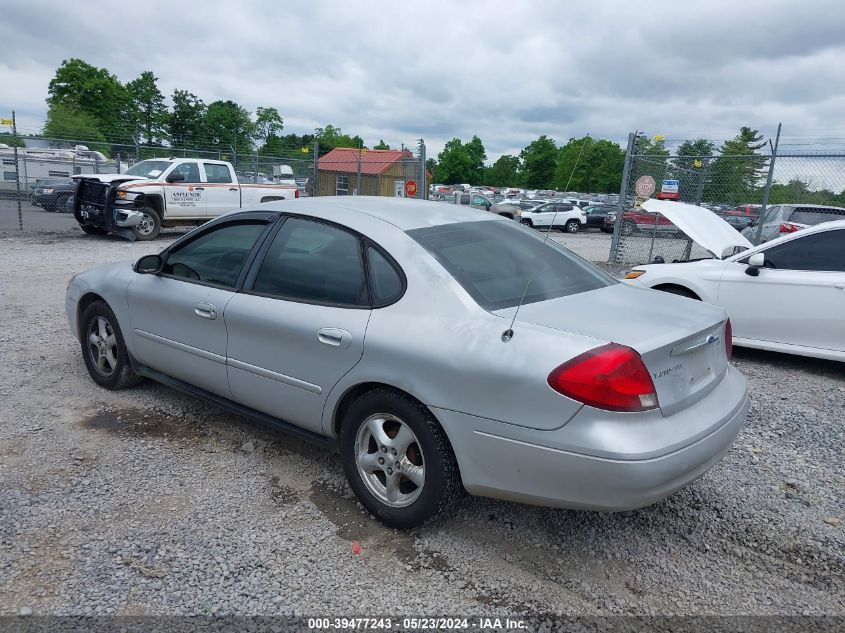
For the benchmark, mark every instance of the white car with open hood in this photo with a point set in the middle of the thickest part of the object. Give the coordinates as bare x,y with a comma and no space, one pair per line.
787,295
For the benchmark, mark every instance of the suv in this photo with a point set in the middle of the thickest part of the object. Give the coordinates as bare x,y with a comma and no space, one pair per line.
789,218
557,215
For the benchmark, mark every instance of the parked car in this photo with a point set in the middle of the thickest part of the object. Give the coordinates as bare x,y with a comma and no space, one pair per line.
786,295
387,329
637,220
789,218
52,196
556,215
737,220
166,191
596,215
474,200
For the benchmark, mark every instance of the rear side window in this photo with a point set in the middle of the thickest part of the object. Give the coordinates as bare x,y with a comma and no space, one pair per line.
823,252
385,281
215,257
816,216
313,262
217,173
494,262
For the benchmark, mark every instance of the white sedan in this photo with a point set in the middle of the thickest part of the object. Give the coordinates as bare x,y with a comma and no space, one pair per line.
787,295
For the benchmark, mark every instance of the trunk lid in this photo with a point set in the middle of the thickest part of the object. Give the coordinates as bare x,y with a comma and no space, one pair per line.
680,340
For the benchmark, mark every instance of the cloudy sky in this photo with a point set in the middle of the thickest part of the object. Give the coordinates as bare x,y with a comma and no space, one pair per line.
507,71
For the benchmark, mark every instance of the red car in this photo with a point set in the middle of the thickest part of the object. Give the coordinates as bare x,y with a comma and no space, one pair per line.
635,220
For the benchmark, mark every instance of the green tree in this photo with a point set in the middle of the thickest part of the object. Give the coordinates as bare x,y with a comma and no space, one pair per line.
539,160
228,125
504,172
330,137
186,121
690,167
735,176
149,110
454,164
65,123
431,166
12,141
598,170
381,145
650,146
82,88
477,157
268,122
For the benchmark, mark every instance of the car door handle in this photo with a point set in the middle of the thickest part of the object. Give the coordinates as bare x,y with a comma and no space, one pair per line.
840,286
334,337
206,310
233,188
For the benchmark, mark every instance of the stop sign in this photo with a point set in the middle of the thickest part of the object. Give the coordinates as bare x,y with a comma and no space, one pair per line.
411,188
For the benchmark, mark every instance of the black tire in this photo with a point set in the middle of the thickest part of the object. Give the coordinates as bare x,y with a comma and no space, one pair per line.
150,225
572,226
680,291
442,484
118,376
91,230
527,222
628,227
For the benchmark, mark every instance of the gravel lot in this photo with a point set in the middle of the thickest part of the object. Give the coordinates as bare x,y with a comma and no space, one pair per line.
148,502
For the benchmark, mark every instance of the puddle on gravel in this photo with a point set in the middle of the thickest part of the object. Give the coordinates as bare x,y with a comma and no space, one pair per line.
137,423
355,526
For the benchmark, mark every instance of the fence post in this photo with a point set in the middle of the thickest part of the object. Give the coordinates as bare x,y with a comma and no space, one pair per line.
623,194
315,168
17,170
758,234
255,168
137,149
423,185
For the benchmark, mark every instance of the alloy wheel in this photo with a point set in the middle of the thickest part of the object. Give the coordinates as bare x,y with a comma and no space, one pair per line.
102,346
390,460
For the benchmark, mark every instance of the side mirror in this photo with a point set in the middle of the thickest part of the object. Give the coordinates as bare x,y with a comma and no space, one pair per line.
487,206
176,176
755,263
149,265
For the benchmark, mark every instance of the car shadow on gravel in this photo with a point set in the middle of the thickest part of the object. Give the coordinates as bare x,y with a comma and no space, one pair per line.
804,364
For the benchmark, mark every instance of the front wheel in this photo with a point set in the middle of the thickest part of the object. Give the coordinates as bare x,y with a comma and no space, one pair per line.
104,349
527,222
149,226
398,460
573,226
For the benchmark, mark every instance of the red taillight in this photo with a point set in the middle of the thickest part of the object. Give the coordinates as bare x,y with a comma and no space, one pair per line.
296,193
788,227
729,339
610,377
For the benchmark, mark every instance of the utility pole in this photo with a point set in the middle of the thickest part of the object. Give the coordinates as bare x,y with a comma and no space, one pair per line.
316,170
623,194
423,185
758,234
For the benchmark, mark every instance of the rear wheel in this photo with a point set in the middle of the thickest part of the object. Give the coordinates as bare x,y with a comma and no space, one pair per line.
149,226
398,460
104,349
572,226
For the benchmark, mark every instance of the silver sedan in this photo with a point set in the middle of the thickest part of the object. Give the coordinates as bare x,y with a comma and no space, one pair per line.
437,348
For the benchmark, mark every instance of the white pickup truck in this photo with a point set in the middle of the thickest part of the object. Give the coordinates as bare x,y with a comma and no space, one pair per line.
165,192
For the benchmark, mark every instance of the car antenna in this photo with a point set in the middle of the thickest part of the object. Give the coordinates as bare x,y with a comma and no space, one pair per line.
508,334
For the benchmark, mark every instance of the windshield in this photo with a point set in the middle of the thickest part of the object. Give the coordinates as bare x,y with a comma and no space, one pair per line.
494,262
148,168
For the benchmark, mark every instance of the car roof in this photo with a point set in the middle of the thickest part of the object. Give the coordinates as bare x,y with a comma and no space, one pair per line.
403,213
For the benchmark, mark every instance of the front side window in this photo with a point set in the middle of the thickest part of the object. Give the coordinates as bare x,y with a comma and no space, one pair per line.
495,261
190,171
217,173
479,201
313,263
342,186
819,251
217,256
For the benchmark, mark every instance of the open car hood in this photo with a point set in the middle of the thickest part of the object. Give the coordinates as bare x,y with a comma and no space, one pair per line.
702,225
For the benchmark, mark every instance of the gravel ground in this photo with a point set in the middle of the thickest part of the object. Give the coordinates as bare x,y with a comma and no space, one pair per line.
148,502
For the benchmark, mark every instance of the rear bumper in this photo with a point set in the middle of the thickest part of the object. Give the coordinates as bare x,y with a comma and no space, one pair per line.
604,473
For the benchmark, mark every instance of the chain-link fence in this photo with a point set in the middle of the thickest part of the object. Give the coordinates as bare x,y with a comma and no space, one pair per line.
738,188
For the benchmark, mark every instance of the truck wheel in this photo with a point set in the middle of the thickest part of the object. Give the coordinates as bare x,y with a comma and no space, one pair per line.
572,226
149,226
91,230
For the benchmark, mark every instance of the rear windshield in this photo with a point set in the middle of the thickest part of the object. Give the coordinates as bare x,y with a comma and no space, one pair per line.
816,216
495,260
